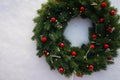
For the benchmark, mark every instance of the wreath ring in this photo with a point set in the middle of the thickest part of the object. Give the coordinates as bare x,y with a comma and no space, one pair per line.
104,35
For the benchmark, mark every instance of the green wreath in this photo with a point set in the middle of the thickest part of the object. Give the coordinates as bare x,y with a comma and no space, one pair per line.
104,35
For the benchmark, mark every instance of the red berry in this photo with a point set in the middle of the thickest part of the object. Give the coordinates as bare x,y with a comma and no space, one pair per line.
44,39
80,75
101,20
103,4
45,52
82,8
106,46
92,46
109,29
112,12
73,53
53,19
109,58
94,36
61,70
61,45
90,67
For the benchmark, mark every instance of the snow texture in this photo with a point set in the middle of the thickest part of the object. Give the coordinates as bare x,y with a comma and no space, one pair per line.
77,31
18,60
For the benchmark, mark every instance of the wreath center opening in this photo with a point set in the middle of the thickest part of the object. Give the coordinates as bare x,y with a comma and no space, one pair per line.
77,31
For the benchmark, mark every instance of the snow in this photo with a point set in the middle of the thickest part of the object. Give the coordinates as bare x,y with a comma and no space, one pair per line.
18,60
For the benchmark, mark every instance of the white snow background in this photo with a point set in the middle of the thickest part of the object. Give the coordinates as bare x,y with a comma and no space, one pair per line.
18,60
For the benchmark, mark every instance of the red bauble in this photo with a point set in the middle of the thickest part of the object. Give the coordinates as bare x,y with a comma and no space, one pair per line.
106,46
112,12
90,67
101,20
103,4
61,70
44,39
94,36
53,19
80,75
45,52
109,58
73,53
109,29
61,45
82,8
92,46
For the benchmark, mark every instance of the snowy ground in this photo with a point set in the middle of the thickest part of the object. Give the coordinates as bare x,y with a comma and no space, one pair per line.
18,60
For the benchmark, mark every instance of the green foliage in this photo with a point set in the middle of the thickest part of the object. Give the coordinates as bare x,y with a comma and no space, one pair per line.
63,11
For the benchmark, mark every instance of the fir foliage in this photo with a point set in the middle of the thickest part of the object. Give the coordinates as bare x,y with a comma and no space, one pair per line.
63,11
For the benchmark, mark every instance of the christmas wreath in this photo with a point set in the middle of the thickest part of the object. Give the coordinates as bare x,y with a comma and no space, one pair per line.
104,35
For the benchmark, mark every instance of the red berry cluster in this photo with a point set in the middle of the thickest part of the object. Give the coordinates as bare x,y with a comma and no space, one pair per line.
103,4
61,70
44,39
91,67
92,46
94,36
112,12
53,19
45,52
82,9
73,53
109,29
61,45
106,46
